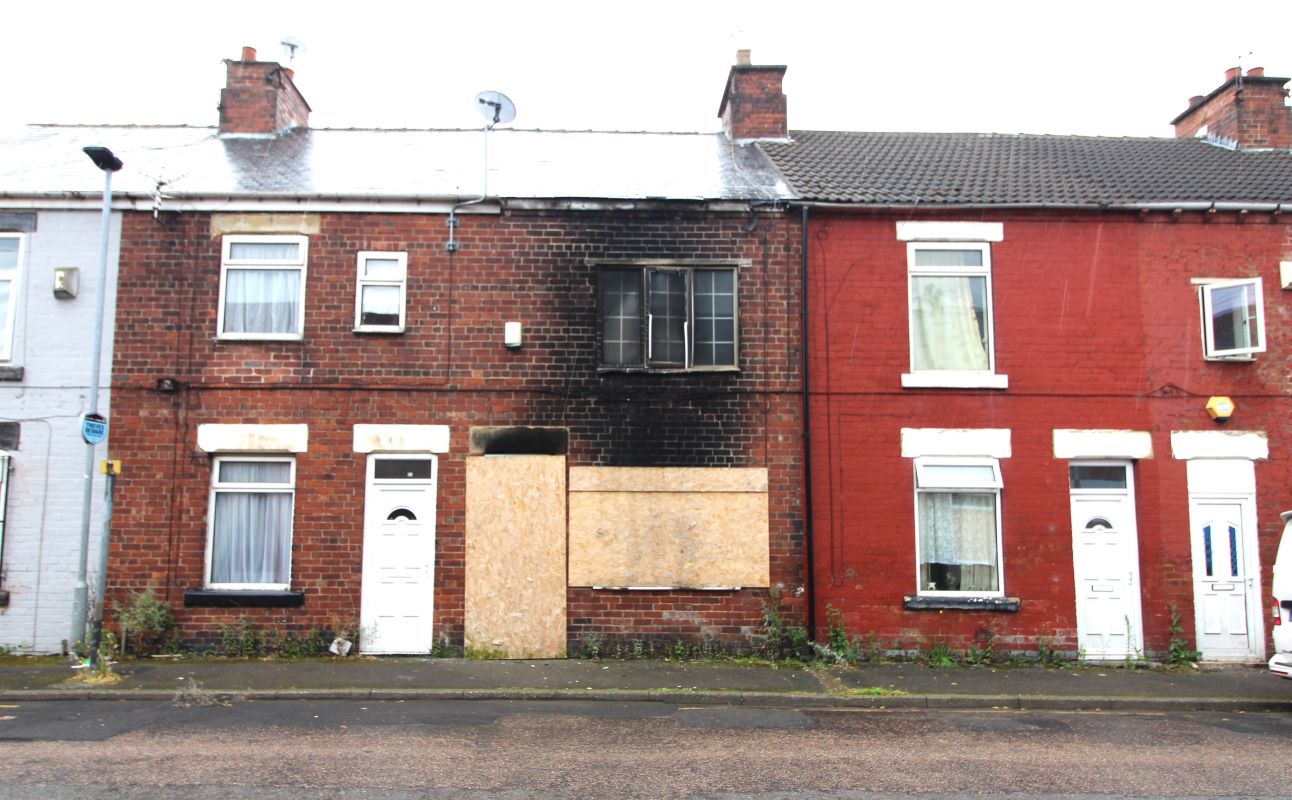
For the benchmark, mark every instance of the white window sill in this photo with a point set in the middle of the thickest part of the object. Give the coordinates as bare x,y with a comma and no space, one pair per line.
259,337
954,380
1241,359
374,329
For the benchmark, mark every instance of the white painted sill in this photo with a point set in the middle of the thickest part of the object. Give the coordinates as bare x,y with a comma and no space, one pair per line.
954,380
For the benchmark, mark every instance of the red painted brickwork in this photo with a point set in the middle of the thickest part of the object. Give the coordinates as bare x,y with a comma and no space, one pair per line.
260,97
753,106
1097,327
1251,110
449,368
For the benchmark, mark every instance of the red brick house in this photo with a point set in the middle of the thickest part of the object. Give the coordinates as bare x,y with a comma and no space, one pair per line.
1013,344
355,391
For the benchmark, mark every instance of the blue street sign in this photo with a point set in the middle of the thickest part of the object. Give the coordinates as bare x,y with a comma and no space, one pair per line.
94,428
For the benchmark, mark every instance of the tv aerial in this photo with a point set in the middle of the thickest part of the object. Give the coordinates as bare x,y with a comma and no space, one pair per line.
291,47
496,107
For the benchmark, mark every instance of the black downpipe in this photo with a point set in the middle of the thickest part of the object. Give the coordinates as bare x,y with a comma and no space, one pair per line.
807,431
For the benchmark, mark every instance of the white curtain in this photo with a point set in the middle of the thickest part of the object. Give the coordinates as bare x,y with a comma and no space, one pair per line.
264,251
251,533
945,323
251,540
958,530
262,301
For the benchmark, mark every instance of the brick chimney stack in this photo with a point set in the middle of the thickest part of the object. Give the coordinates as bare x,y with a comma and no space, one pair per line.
259,98
1247,109
753,105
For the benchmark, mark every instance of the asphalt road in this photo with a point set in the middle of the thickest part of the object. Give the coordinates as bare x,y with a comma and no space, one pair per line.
498,749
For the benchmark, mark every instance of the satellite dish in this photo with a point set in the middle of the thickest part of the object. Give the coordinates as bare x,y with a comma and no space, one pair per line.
495,107
292,47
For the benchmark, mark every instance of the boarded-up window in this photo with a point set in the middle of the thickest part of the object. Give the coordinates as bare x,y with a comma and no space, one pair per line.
694,528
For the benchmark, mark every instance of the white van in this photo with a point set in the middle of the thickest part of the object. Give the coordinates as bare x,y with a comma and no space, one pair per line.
1281,588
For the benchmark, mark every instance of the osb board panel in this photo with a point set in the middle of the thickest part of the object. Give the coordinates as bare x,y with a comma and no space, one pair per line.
684,538
515,556
667,479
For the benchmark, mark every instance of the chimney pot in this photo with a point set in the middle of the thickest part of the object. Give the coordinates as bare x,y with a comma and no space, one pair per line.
1197,98
248,54
1233,72
1256,72
743,57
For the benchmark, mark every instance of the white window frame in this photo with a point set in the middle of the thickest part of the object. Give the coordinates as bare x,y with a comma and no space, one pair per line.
361,282
919,378
14,278
227,262
647,364
1206,288
926,483
249,488
5,458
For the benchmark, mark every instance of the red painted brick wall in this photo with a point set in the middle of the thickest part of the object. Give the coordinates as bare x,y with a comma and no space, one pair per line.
450,368
1097,327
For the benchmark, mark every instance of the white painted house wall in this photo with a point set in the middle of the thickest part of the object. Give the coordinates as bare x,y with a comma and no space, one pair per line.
53,340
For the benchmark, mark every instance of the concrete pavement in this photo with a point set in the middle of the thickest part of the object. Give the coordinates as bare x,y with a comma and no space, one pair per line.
882,685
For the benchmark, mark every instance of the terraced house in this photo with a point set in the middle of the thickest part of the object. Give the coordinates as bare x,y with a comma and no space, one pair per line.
355,390
1050,395
1010,393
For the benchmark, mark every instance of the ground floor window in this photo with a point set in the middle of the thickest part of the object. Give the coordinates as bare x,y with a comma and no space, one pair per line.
250,523
958,526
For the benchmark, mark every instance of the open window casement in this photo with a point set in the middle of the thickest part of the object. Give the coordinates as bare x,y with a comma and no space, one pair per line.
1233,318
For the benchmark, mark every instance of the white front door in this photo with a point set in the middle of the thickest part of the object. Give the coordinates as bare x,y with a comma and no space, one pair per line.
396,603
1105,560
1224,591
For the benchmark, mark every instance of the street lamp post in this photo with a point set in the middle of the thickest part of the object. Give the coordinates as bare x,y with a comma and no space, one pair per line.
109,163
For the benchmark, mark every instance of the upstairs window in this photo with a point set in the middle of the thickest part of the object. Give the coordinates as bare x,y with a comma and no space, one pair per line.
672,318
10,259
262,287
957,513
950,307
1233,318
379,303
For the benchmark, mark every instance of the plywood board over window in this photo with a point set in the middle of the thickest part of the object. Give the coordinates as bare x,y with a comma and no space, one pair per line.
685,528
515,559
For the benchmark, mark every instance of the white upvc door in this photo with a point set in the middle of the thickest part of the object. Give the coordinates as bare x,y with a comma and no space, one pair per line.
1225,592
398,583
1105,560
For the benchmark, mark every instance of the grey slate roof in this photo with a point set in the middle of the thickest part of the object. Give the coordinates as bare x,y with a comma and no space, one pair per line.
1031,170
193,162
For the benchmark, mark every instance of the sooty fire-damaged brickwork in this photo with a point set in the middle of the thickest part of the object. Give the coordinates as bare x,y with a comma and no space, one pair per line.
173,374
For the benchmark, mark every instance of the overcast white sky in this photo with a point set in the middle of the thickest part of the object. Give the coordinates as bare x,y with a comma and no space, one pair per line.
1095,67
